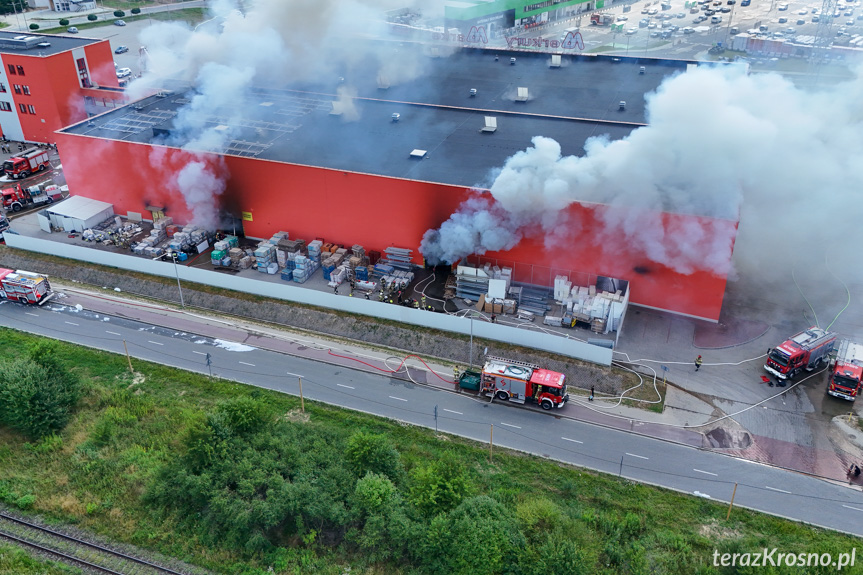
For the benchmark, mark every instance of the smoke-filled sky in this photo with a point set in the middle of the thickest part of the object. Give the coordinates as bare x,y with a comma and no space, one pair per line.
720,143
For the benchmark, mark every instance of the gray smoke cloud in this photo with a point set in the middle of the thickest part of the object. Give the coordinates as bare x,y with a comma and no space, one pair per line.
720,143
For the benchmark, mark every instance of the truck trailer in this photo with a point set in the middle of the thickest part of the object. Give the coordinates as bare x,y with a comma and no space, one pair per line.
24,287
519,382
846,377
805,350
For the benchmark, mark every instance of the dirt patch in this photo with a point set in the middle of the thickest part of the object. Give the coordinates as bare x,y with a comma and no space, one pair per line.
296,416
716,532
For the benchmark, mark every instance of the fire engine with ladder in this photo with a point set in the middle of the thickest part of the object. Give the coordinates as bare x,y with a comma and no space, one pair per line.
521,382
807,350
24,287
846,376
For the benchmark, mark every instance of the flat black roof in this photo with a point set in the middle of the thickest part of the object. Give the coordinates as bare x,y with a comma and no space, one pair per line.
572,103
17,43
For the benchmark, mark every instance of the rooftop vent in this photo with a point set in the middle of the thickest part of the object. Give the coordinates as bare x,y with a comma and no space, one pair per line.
396,117
555,61
490,125
383,82
522,95
418,154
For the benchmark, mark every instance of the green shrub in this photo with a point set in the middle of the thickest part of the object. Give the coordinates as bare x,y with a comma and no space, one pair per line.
135,10
439,486
64,22
367,452
119,13
92,17
37,393
34,26
26,501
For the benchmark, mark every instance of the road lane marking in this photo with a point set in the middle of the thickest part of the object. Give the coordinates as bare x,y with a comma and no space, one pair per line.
244,363
854,508
294,374
510,425
572,440
343,385
33,314
705,472
399,398
779,490
451,411
154,342
200,352
112,332
638,456
71,323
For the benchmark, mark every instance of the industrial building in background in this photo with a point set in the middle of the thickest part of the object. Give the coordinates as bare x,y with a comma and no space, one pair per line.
312,162
48,82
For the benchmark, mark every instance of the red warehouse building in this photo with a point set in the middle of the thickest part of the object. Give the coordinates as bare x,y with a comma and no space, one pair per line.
47,82
396,161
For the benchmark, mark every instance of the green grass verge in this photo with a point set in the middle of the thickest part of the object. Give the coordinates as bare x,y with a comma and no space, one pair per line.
190,15
95,472
15,561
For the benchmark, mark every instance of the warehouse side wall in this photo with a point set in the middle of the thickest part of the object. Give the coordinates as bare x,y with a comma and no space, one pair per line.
377,212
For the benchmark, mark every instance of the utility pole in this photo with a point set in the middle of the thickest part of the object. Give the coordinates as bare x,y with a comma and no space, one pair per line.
177,272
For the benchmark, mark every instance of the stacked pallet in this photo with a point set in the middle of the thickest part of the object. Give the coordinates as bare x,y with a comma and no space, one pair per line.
233,241
245,262
236,254
217,256
337,276
315,250
265,254
382,269
291,246
398,279
374,257
361,273
398,257
304,268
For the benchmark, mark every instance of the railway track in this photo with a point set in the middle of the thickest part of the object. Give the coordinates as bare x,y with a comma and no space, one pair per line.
87,555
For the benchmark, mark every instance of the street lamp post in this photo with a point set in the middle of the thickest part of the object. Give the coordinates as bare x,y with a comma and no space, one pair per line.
177,273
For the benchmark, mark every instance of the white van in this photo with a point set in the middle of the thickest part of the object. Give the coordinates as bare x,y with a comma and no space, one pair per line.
715,19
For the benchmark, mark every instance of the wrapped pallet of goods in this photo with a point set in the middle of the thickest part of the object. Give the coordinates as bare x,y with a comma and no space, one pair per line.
245,263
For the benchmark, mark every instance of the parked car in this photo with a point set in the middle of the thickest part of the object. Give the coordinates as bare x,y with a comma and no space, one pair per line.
119,23
802,11
745,2
631,31
816,18
72,30
121,50
124,72
688,30
783,20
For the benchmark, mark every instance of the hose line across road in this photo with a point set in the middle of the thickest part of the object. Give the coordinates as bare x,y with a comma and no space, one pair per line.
205,347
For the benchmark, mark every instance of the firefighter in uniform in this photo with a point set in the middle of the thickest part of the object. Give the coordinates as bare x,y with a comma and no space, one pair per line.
455,374
381,295
424,301
416,304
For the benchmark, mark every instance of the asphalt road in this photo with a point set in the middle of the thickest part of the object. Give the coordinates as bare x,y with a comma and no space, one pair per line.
548,435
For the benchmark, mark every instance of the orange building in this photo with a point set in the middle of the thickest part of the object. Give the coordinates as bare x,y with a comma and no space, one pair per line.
47,82
404,163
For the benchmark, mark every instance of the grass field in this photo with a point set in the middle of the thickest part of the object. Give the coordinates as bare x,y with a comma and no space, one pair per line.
129,427
14,561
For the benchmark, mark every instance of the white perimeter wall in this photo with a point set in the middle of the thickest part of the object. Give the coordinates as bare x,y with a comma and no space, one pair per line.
295,293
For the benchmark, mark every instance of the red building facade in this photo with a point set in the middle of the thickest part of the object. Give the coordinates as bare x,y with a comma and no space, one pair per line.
378,212
45,81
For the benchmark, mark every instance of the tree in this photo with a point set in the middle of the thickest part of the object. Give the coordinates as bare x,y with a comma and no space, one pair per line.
479,537
369,452
92,17
34,26
64,22
37,393
386,530
439,486
135,10
119,13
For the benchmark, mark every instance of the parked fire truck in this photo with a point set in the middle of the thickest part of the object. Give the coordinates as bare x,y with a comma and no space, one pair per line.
517,381
24,287
18,198
29,162
806,350
846,377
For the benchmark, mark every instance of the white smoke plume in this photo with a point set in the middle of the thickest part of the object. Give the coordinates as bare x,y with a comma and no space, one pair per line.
200,186
244,46
720,143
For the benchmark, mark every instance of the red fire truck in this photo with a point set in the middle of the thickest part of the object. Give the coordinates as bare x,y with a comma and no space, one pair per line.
29,162
806,350
17,198
24,287
522,382
847,375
